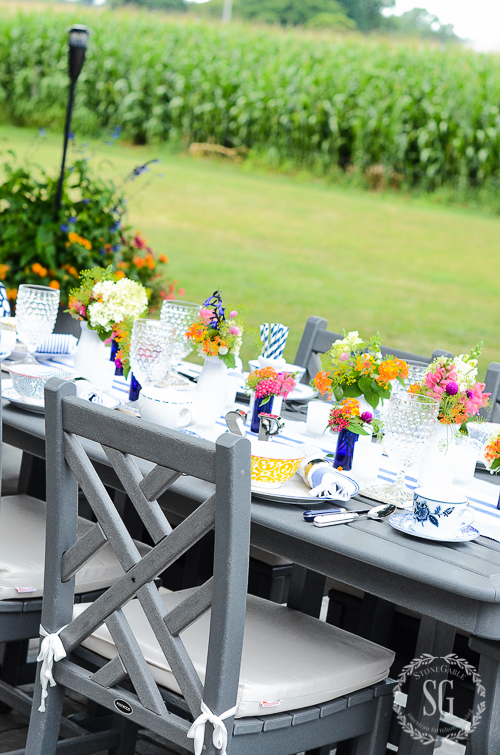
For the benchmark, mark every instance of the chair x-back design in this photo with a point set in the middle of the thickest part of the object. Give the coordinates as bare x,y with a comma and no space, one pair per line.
165,660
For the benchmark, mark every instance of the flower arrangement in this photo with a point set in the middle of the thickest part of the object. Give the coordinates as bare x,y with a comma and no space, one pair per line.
347,415
36,246
452,381
353,368
105,299
268,382
215,335
492,453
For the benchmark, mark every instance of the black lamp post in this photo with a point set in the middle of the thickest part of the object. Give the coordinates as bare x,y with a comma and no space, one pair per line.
77,47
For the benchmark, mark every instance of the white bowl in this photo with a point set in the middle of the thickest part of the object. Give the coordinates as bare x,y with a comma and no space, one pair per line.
28,379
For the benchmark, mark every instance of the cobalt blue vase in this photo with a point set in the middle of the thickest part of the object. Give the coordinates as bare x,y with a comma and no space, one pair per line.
345,449
114,349
258,408
135,389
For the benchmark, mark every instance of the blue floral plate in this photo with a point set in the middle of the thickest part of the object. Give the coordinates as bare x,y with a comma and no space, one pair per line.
404,522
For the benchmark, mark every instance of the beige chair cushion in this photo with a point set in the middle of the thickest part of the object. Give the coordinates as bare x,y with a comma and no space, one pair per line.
22,552
288,658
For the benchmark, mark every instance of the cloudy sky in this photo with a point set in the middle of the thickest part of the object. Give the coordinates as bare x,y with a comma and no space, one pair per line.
475,20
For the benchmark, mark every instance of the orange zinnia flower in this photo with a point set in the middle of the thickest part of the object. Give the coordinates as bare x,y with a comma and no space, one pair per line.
54,284
323,382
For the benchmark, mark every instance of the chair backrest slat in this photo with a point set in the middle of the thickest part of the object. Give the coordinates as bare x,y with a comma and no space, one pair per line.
183,615
147,440
134,662
129,473
82,551
101,504
157,482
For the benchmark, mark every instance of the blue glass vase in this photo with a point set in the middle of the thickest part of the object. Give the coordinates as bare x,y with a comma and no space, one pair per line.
114,349
345,449
258,408
135,389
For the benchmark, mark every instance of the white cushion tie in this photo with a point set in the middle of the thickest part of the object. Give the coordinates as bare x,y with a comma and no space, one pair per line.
51,650
197,730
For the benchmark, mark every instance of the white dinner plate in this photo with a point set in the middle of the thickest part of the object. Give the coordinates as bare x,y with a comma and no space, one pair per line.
404,522
37,405
295,490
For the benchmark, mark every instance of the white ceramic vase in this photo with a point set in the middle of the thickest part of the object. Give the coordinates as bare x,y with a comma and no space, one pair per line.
437,466
211,393
92,359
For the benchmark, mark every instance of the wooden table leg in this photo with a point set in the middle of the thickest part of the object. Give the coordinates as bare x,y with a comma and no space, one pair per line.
485,740
434,638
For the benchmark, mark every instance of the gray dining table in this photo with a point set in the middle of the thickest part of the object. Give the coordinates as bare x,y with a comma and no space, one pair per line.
453,586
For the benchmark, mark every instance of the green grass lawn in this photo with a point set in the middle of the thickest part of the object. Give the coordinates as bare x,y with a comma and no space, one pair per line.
281,249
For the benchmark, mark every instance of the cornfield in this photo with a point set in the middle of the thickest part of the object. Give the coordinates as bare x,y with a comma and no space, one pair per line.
428,115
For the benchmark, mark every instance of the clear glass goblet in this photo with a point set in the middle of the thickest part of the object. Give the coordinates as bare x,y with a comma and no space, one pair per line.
409,423
180,314
36,314
150,349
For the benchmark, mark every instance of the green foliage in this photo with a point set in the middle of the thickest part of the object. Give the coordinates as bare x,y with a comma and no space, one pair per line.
172,6
320,13
38,245
429,116
366,13
420,23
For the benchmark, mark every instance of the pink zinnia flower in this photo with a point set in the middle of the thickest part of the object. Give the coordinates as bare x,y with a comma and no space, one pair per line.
477,399
233,314
344,356
234,330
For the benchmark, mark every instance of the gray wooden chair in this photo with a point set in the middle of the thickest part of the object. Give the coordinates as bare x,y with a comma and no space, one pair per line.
316,340
22,555
492,383
202,663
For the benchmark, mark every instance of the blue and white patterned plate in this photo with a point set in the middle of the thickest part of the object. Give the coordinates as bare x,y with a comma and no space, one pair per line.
404,522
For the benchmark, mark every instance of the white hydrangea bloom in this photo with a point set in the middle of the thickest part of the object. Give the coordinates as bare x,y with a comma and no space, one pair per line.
467,371
119,300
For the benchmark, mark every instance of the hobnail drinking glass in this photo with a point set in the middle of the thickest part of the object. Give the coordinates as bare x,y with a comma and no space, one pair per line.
36,314
150,349
416,372
180,314
409,423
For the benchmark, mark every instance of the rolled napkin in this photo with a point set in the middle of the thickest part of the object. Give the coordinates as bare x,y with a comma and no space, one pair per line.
89,392
58,343
323,479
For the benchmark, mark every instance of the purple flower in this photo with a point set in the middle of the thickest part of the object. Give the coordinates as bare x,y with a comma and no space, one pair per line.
71,135
116,247
64,227
42,132
367,416
116,132
469,394
72,219
86,201
451,388
115,226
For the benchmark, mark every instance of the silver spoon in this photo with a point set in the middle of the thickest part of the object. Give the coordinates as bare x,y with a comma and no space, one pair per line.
378,512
